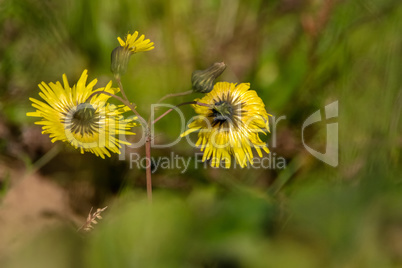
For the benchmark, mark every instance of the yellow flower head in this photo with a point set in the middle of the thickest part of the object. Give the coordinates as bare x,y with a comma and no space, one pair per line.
136,45
93,126
230,124
121,54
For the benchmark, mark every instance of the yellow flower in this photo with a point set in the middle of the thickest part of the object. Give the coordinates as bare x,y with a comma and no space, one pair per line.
121,54
136,45
229,124
92,126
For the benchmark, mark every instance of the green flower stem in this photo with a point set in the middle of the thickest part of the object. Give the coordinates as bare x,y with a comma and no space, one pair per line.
147,142
124,101
117,77
147,133
181,104
148,164
175,95
170,96
52,153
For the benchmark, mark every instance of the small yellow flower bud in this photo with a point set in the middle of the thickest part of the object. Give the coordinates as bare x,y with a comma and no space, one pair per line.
120,58
203,80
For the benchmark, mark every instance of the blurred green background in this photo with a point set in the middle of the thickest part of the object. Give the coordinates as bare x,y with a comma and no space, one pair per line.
298,55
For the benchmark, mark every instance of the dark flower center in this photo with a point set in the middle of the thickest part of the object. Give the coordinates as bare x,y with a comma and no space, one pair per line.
222,112
84,119
226,111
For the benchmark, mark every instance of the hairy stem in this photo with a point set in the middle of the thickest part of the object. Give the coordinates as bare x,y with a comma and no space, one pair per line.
148,165
146,129
117,77
178,105
147,143
124,101
175,95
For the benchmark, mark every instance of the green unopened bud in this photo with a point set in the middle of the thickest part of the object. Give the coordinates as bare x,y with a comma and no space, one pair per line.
203,80
120,58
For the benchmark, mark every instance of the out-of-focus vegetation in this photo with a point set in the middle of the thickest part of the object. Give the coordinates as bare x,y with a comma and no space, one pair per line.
298,55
